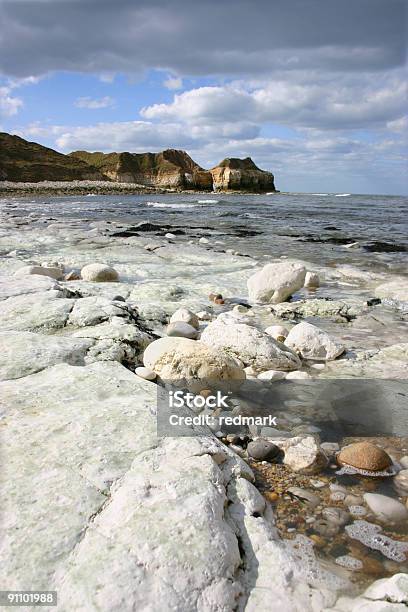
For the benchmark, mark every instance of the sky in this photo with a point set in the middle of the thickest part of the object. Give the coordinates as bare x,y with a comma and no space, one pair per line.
313,90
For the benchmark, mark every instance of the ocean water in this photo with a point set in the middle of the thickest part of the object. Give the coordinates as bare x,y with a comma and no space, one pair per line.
316,227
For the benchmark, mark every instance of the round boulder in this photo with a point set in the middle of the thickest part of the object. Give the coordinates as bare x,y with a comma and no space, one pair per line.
182,330
263,450
364,456
186,316
99,273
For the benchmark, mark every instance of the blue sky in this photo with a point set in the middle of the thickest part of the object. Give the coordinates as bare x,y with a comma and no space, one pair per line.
313,90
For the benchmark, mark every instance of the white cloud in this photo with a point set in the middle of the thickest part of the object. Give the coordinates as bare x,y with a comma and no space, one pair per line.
173,83
9,105
94,103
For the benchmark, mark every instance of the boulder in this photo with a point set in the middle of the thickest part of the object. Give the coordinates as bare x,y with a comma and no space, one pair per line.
185,315
98,272
175,358
313,343
276,282
181,330
364,456
386,508
55,272
35,311
10,286
251,346
393,589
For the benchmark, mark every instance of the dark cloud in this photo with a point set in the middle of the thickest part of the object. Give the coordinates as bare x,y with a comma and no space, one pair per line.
208,37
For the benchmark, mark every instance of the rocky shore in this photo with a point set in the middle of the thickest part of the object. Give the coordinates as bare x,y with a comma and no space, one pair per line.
94,316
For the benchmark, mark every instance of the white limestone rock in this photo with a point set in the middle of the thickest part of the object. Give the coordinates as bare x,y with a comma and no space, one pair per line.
313,343
175,358
44,310
10,286
312,280
186,316
24,353
393,290
277,331
393,589
98,272
386,508
276,282
181,330
53,272
145,373
303,454
251,346
93,310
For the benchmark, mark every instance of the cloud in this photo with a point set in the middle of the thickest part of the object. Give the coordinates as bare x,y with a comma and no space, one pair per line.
173,83
317,103
9,105
197,38
91,103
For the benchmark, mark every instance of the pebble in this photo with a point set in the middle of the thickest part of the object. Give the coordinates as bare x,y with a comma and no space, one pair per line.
297,375
364,456
305,496
318,366
203,315
337,516
271,496
312,280
326,528
240,308
353,500
318,541
404,461
386,508
145,373
263,450
72,276
318,484
337,496
180,329
170,236
204,240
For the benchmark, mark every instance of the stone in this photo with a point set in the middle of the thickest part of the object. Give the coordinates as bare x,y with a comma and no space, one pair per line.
272,375
400,482
326,528
176,359
170,236
24,353
386,508
312,280
335,515
203,315
393,589
93,310
278,332
145,373
55,272
276,282
99,272
181,330
251,346
240,309
304,455
297,376
10,286
364,456
329,309
307,497
262,450
393,290
313,343
186,316
203,240
40,311
72,276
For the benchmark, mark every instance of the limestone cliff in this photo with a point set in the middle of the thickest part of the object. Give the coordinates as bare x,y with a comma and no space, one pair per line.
25,161
241,174
169,169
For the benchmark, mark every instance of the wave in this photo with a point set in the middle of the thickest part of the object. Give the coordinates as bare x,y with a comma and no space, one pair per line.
175,205
342,195
320,194
207,201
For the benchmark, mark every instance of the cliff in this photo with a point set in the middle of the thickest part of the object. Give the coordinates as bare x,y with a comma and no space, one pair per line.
241,174
170,168
24,161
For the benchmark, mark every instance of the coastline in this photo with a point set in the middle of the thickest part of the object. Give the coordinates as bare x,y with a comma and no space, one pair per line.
101,188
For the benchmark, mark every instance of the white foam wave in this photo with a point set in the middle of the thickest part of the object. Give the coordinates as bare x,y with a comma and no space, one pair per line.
175,205
320,194
342,195
207,201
